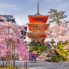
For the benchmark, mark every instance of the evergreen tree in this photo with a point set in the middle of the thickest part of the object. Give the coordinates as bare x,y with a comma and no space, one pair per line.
56,16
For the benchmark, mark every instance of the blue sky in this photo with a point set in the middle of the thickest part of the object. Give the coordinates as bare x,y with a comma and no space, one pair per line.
20,9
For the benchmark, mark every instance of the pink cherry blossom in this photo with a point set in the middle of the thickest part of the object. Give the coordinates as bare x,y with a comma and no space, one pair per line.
12,31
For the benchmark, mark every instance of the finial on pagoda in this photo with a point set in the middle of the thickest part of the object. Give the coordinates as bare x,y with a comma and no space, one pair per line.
38,7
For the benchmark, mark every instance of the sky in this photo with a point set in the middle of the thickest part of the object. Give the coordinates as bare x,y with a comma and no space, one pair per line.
20,9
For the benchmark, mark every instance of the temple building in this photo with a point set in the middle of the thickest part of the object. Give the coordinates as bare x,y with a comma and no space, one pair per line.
8,18
37,26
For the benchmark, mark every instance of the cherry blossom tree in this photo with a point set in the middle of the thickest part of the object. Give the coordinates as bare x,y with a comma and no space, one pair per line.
10,35
60,33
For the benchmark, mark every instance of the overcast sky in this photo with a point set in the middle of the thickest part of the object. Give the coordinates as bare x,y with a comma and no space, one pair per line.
20,9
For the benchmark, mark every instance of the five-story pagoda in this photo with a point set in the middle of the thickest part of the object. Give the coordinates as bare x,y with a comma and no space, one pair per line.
37,26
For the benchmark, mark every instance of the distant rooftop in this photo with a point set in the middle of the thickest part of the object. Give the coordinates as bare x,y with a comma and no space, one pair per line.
8,18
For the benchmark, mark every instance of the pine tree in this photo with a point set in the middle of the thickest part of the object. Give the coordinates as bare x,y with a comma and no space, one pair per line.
56,16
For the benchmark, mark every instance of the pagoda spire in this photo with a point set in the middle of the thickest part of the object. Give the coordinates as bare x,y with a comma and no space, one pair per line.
38,7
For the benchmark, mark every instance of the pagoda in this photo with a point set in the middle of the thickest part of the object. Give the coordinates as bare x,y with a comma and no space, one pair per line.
37,26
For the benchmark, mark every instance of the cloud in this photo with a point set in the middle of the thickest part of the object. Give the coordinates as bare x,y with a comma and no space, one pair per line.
9,9
21,20
63,6
6,6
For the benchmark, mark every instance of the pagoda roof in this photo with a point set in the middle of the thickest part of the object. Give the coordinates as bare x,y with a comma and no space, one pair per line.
38,23
38,15
36,35
36,32
38,18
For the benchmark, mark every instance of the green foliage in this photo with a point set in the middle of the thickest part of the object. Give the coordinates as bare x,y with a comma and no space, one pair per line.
62,52
39,49
56,59
37,46
33,43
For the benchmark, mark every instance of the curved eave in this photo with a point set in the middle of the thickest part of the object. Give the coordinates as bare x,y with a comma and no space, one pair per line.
31,35
38,27
38,15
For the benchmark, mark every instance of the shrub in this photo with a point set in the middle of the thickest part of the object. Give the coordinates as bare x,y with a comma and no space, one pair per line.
39,49
56,59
